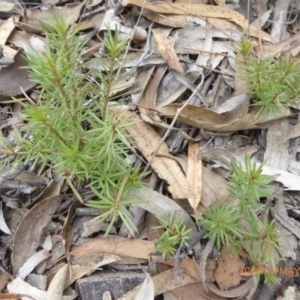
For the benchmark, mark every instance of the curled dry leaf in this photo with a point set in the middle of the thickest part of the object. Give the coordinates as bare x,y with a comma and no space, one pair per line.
239,292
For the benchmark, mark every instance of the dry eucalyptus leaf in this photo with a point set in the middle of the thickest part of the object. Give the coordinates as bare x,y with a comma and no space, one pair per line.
3,225
190,266
6,28
228,273
116,245
238,292
294,132
290,181
277,152
207,119
217,155
6,6
32,262
88,263
106,295
146,291
147,101
18,286
163,282
196,116
27,237
194,174
214,187
172,21
235,107
192,9
13,77
161,206
147,141
56,287
167,51
67,225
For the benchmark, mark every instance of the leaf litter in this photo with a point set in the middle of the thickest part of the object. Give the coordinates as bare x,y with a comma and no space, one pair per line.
176,49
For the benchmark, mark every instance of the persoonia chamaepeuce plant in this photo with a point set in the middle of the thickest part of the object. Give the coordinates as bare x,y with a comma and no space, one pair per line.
238,226
273,80
175,235
71,128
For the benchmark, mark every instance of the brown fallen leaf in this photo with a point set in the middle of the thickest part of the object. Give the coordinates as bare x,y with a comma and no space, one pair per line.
27,237
163,282
56,287
167,51
202,10
194,291
207,119
118,246
13,77
294,132
146,291
19,286
148,97
194,174
32,262
228,273
239,292
162,206
66,227
147,141
7,28
88,264
196,116
106,295
32,18
214,187
173,21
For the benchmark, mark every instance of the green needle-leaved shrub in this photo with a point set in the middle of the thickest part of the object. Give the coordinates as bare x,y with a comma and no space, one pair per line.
274,81
237,225
70,128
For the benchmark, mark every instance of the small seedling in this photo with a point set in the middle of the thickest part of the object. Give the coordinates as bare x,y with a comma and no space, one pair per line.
175,234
